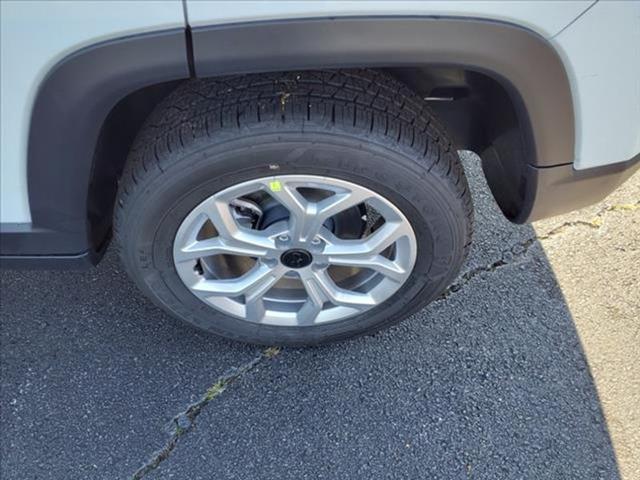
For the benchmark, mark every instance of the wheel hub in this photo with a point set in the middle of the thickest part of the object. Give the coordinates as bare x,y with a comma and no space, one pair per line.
296,258
294,250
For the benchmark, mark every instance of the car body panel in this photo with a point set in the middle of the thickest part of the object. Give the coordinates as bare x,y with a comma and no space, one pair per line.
544,18
36,35
601,53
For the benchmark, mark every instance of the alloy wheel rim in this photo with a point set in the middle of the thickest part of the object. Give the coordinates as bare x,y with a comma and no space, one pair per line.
268,250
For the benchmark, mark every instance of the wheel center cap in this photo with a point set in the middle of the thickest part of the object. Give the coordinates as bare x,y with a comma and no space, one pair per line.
296,258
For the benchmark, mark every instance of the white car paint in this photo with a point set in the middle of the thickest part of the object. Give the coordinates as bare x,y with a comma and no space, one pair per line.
34,36
544,17
606,89
601,52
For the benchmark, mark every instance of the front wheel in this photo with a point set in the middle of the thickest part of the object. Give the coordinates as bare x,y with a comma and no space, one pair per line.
293,208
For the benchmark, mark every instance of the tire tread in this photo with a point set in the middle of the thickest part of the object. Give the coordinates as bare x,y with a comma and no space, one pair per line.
364,101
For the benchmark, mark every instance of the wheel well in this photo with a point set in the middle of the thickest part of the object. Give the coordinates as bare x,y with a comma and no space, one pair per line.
476,110
514,112
112,147
474,107
487,116
498,100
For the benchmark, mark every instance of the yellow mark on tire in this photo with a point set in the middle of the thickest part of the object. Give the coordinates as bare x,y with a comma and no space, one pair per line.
275,186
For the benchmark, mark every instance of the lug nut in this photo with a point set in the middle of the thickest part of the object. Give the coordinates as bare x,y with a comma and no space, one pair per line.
283,238
316,241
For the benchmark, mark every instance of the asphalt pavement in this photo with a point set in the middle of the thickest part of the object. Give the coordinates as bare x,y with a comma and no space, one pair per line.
528,368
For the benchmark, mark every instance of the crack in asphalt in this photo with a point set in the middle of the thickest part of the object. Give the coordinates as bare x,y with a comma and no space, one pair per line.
184,421
521,249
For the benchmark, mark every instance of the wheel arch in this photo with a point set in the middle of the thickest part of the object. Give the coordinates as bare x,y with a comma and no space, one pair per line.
89,95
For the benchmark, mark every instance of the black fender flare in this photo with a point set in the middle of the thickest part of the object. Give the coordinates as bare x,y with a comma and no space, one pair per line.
70,108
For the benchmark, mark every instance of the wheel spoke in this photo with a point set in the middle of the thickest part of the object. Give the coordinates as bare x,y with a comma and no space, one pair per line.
321,289
291,199
307,217
253,283
254,296
231,240
218,246
309,312
365,253
340,202
378,263
318,213
378,241
255,309
219,213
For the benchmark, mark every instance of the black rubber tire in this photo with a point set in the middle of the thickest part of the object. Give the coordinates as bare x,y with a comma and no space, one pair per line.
358,125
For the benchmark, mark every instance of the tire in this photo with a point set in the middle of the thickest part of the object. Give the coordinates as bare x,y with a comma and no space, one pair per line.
359,126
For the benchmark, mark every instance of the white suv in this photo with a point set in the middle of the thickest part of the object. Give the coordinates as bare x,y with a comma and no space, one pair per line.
287,172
